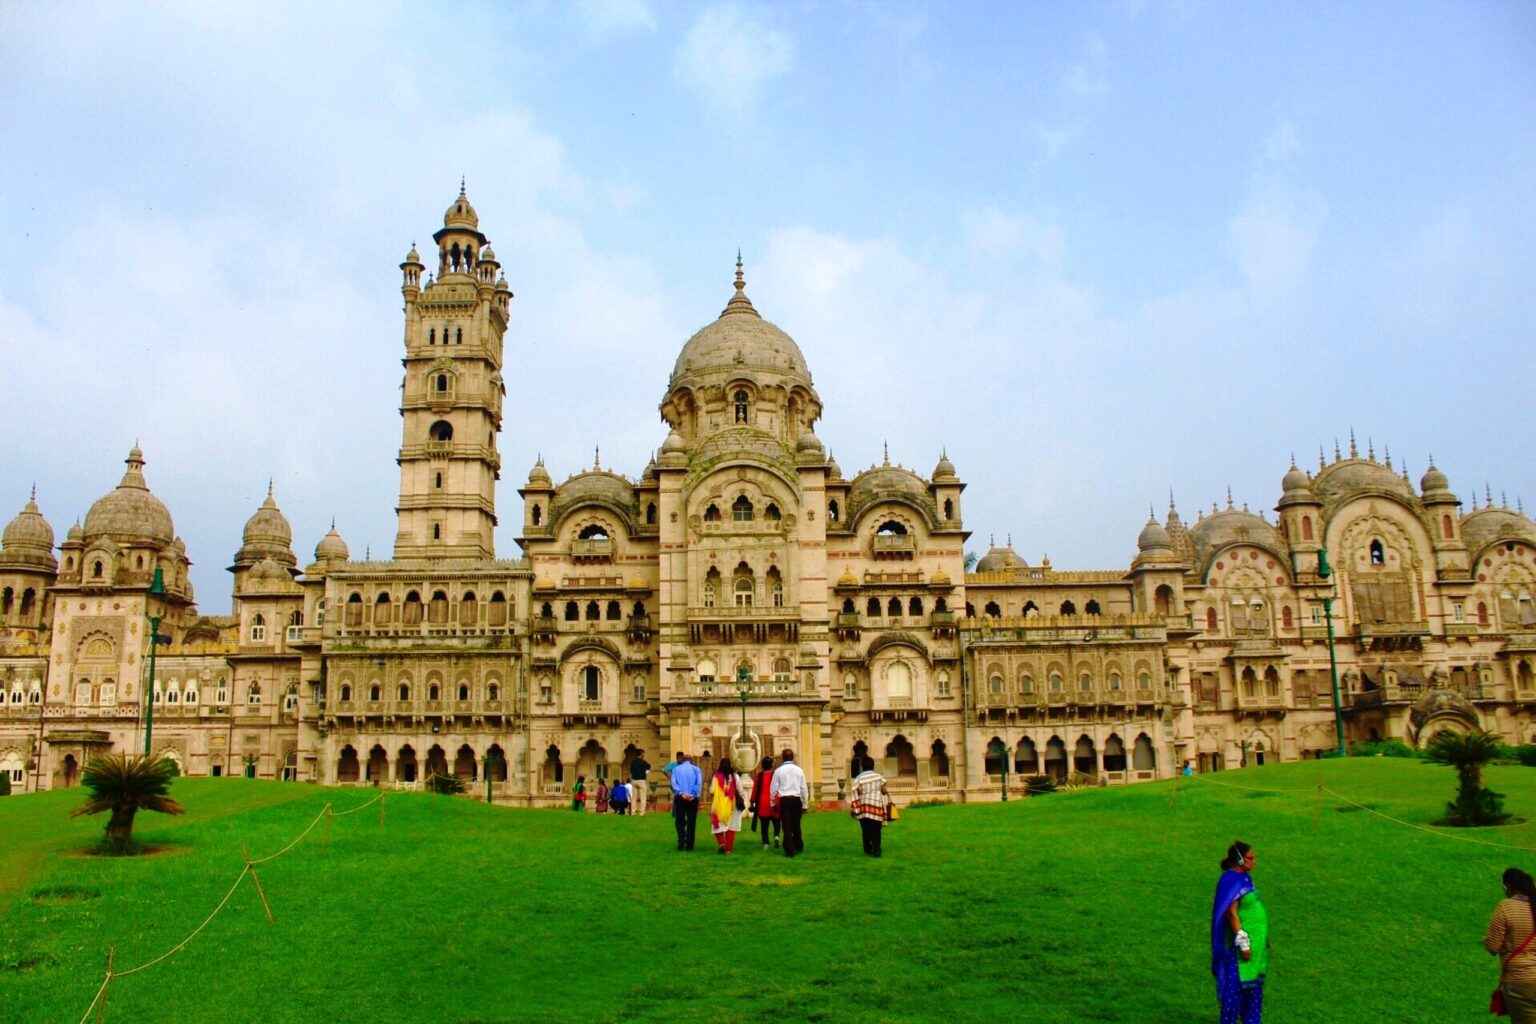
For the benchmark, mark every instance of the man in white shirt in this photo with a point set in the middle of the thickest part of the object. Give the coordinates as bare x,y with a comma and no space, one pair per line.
788,795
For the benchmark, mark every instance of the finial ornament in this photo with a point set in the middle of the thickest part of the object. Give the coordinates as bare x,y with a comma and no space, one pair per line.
1370,449
1487,495
1172,511
886,448
333,522
34,491
461,186
597,457
1229,497
1336,456
741,279
1354,452
1386,450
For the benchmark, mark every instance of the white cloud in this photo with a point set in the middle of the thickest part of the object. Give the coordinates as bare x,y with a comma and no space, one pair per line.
1089,78
991,232
729,56
616,17
1283,143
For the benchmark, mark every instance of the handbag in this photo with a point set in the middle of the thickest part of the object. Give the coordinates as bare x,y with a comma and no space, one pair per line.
1496,999
891,813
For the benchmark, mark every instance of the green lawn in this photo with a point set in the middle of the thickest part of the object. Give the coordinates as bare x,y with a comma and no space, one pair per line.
1073,907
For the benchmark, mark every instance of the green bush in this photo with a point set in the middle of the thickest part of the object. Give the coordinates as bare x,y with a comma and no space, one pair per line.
1382,748
450,784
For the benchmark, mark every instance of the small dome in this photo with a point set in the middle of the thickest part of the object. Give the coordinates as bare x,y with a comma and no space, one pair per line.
1358,476
1489,525
1154,537
1295,479
940,578
674,450
28,540
809,442
76,532
847,579
267,535
413,257
267,569
538,474
1234,526
834,471
998,559
544,585
1433,480
331,547
461,214
945,470
638,584
649,473
487,255
130,512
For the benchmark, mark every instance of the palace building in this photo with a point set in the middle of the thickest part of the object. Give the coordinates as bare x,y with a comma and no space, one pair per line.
740,595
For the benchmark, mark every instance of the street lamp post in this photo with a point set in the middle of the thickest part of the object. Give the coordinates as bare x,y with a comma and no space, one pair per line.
1325,572
157,596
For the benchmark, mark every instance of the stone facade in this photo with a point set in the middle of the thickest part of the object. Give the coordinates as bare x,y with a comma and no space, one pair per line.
742,596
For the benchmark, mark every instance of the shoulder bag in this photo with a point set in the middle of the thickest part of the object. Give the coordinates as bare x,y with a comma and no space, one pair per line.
1496,1000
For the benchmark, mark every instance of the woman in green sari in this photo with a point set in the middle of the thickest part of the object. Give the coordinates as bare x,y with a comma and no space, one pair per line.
1239,939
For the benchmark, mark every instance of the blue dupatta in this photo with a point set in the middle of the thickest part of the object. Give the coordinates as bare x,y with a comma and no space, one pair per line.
1232,886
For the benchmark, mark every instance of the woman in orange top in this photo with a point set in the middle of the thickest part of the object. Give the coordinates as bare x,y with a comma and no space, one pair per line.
1509,936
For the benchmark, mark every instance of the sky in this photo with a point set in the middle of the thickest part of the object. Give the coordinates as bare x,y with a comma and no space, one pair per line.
1097,252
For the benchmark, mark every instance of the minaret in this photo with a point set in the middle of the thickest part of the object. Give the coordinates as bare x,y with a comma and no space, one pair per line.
452,395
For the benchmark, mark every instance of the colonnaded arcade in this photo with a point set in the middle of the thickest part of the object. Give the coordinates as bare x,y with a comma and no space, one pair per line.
741,573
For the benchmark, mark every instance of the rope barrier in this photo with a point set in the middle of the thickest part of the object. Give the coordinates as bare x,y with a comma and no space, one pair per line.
98,1001
370,803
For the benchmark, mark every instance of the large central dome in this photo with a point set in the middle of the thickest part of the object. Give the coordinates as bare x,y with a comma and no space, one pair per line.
739,341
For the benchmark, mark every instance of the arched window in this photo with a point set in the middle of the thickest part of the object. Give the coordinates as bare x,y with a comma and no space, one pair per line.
463,691
493,692
432,336
1210,618
1068,608
1031,609
711,587
591,683
1482,613
1085,682
346,692
1091,608
374,692
434,692
572,611
442,430
741,509
782,672
993,610
898,681
893,608
915,606
1306,527
613,612
592,611
742,407
872,609
771,513
258,628
949,509
1026,683
96,569
404,691
1286,618
538,515
775,588
441,384
995,683
1378,553
469,609
1162,600
410,611
742,589
1446,527
437,610
650,514
712,514
850,686
253,694
831,511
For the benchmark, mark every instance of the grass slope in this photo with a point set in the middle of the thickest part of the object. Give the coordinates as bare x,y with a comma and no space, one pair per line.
1075,907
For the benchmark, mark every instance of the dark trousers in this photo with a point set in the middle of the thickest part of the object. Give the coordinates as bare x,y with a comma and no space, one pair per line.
685,815
790,809
762,824
871,827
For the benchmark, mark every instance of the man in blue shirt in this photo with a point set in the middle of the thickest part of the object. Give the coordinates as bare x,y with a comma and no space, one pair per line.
686,782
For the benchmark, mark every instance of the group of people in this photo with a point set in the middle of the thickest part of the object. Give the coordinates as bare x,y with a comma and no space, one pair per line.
623,797
776,795
1240,943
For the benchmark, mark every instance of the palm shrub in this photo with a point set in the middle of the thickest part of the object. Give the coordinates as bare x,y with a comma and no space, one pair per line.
1039,785
1475,804
125,784
451,784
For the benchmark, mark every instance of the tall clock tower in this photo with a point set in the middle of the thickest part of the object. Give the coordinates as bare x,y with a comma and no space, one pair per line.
452,396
